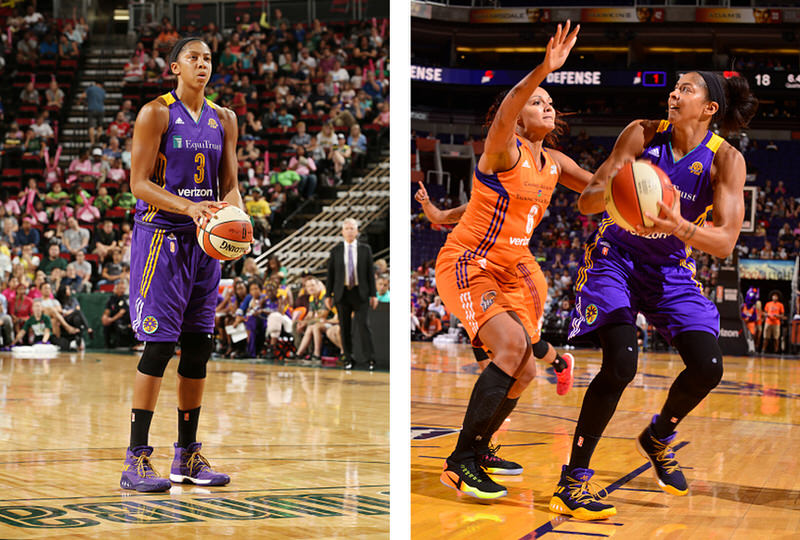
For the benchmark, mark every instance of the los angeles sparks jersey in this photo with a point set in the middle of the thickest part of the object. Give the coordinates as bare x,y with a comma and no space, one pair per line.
692,176
505,207
188,162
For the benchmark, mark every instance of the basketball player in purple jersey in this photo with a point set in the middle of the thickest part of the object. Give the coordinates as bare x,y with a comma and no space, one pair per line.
652,272
183,169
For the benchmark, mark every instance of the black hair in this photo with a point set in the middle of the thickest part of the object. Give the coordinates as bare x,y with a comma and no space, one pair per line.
551,139
740,103
179,45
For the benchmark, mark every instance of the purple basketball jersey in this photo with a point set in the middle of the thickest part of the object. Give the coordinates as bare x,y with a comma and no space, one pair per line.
188,162
692,176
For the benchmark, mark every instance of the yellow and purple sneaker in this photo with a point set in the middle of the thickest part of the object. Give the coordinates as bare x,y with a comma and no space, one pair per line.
190,467
138,474
662,457
575,496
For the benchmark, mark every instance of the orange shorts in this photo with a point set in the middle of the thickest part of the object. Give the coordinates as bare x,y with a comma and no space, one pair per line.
475,290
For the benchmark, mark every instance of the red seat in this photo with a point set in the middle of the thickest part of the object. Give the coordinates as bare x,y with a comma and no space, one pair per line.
107,287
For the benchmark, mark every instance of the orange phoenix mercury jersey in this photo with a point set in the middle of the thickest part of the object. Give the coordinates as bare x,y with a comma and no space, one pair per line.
504,209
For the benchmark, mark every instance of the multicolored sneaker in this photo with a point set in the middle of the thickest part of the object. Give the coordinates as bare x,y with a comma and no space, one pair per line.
190,467
469,478
564,377
662,457
575,496
138,474
494,464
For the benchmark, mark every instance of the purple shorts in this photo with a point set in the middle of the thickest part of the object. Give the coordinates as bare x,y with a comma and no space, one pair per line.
612,287
173,284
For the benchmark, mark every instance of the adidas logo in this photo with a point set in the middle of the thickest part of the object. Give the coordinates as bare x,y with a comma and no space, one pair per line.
179,121
654,152
526,165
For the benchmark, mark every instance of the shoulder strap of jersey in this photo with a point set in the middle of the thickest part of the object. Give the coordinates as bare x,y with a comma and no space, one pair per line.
212,104
662,126
714,142
168,98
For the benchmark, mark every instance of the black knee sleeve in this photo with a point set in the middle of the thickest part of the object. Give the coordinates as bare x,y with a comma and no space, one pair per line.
155,357
480,354
620,355
703,358
540,349
196,348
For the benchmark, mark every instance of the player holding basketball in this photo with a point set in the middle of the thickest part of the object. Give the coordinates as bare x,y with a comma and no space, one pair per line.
562,365
183,169
486,275
652,272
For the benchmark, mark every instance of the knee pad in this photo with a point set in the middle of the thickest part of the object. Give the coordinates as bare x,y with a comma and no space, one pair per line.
620,354
480,354
703,358
540,349
155,357
196,348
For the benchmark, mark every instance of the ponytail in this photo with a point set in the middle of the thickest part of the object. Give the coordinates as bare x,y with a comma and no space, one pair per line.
741,104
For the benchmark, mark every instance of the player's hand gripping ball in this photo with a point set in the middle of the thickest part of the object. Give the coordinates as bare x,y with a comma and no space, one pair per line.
636,189
227,234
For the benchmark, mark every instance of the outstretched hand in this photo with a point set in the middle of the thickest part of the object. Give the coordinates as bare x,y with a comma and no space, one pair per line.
421,195
559,46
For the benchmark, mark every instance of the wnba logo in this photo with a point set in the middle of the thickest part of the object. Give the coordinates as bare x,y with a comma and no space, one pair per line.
534,211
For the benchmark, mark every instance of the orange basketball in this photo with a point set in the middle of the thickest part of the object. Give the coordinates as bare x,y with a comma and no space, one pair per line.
227,235
635,189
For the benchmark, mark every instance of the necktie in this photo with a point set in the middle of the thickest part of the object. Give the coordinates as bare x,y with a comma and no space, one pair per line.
351,271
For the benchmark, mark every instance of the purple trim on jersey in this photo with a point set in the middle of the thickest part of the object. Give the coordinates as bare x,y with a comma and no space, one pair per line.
492,182
462,275
528,277
498,218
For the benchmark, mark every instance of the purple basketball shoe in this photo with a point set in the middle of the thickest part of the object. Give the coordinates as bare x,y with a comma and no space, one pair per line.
189,467
138,474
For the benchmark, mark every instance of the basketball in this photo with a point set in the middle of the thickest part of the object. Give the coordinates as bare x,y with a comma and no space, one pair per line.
635,189
227,234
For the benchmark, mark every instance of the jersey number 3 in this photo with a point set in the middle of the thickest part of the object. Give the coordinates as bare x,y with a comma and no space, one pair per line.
199,176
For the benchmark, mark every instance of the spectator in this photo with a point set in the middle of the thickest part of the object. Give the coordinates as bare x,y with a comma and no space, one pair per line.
122,124
6,325
83,270
275,270
287,178
76,238
305,167
95,99
112,270
358,143
29,95
67,48
166,39
106,239
27,235
48,48
36,328
71,311
21,306
28,49
774,315
301,138
54,96
382,289
117,331
52,259
258,209
338,73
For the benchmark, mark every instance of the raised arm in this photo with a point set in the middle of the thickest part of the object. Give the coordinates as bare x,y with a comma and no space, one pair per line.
728,176
500,153
630,144
572,176
434,214
151,123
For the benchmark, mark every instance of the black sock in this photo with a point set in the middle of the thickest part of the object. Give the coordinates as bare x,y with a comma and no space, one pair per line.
187,426
140,427
483,410
502,413
665,424
559,364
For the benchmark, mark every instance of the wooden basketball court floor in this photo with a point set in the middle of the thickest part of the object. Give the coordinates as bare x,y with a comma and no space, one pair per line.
741,453
307,450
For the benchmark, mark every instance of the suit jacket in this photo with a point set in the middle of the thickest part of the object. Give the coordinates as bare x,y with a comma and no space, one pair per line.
365,272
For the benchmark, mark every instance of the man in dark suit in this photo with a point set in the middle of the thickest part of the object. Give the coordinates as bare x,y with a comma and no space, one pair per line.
351,287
